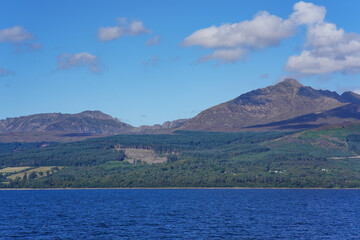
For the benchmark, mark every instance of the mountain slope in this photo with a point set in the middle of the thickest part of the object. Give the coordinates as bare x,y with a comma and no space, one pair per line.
94,122
343,114
285,100
57,127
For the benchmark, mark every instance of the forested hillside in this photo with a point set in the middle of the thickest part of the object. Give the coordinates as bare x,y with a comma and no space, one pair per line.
326,157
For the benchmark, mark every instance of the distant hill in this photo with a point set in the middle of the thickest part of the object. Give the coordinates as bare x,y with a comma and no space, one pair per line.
93,122
273,106
58,127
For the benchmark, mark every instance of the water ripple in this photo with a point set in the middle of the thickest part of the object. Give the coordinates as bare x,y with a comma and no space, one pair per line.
180,214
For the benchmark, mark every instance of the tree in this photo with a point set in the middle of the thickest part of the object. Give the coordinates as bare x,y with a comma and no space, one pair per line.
32,175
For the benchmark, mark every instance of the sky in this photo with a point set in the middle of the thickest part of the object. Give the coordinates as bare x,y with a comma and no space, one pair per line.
147,62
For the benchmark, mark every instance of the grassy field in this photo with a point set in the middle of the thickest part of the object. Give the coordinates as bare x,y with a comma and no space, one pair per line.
138,155
13,169
21,171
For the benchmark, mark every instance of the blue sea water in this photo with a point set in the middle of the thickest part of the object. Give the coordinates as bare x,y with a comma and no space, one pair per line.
180,214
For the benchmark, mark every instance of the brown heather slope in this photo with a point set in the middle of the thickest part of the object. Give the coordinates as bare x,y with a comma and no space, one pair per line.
285,100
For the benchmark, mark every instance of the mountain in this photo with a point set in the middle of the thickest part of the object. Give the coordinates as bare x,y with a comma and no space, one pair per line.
58,127
284,101
166,127
351,97
287,105
92,122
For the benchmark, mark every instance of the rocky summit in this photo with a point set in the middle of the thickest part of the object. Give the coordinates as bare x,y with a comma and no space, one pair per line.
259,108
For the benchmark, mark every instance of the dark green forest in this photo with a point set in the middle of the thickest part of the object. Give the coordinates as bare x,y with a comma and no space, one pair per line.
314,158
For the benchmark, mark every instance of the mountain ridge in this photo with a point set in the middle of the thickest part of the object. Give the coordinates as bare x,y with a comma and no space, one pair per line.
285,100
287,105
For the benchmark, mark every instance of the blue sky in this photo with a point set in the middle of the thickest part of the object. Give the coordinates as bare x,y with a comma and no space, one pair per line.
147,62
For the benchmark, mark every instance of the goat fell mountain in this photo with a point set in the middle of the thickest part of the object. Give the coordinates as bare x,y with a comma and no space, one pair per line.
287,105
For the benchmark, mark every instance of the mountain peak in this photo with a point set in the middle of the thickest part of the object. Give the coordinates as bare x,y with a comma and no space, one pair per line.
292,82
95,114
351,97
285,100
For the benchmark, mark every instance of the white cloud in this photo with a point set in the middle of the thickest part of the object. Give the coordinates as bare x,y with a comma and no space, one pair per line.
5,72
109,33
137,28
262,31
310,63
231,41
151,62
66,61
19,37
122,29
307,13
16,34
327,50
224,55
324,34
153,41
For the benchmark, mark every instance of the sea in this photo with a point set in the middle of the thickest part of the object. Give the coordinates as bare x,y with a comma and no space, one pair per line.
180,214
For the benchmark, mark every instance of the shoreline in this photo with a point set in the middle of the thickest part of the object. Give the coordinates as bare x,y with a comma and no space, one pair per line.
180,188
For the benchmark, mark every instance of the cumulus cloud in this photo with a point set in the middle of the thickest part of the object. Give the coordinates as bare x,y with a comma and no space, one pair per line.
66,61
309,63
123,28
153,41
328,49
5,72
151,62
264,30
307,13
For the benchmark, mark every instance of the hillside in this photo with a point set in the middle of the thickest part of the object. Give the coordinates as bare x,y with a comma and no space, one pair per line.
323,157
344,114
93,122
58,127
284,101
